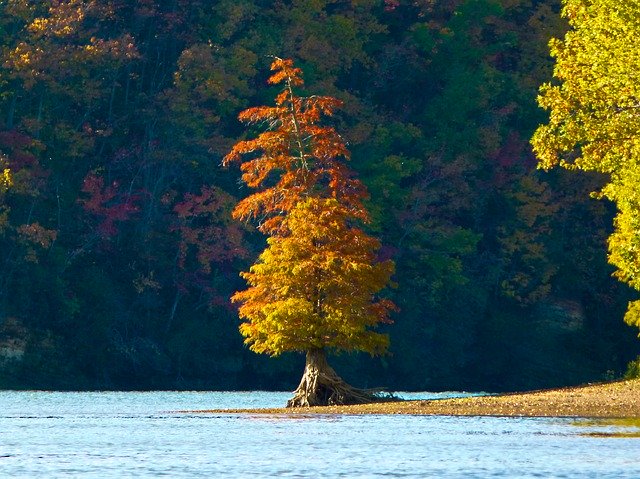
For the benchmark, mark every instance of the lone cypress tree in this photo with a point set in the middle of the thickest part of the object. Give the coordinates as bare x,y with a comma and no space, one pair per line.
314,287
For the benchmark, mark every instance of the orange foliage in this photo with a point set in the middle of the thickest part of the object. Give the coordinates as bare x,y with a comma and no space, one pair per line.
315,285
304,155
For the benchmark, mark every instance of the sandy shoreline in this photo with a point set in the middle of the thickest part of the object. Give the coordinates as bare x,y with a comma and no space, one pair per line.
619,399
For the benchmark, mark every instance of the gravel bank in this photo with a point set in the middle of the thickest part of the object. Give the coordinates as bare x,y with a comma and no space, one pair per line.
619,399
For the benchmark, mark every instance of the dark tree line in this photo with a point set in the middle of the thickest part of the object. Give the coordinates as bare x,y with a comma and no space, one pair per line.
118,254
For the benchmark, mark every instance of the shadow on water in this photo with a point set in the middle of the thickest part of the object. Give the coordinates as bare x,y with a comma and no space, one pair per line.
613,427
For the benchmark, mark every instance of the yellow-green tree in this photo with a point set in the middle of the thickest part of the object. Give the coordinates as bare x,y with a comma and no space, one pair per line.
6,181
5,175
314,287
594,122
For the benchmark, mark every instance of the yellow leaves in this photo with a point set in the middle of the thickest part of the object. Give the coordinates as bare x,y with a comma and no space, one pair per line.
594,122
62,20
592,117
21,57
39,25
574,10
315,286
632,316
624,243
6,180
58,46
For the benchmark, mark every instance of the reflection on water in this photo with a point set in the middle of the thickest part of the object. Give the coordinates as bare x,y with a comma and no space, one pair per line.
615,427
276,418
113,435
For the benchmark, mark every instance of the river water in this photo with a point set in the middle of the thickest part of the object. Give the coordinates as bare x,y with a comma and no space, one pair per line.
128,434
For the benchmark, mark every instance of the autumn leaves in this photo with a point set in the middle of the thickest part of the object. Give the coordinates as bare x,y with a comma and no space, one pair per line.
594,117
315,285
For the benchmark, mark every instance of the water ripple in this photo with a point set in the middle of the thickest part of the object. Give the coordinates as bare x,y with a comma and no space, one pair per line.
113,435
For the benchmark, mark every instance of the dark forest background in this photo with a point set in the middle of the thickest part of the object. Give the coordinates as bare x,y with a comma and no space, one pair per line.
117,251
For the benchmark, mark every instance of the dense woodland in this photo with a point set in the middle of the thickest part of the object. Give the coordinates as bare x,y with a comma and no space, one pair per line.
118,253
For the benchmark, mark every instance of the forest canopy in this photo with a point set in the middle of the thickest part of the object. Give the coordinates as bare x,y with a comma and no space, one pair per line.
118,251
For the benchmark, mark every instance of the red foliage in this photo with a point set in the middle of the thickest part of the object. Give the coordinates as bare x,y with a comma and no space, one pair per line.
21,152
391,5
107,204
205,225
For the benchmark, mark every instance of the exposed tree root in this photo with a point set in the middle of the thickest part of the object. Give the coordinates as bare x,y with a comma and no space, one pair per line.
321,386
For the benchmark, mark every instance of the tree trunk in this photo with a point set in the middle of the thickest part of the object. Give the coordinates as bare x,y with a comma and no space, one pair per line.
321,386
